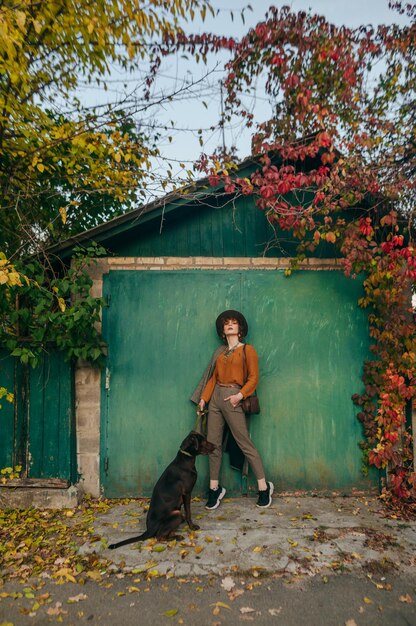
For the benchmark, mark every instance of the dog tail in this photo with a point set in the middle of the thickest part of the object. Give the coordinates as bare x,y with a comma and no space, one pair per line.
125,542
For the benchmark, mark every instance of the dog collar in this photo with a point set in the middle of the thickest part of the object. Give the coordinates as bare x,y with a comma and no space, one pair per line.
184,452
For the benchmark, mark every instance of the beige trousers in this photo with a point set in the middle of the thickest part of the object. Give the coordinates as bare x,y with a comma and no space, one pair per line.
221,411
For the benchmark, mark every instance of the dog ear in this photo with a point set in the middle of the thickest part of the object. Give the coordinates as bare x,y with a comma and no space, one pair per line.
195,441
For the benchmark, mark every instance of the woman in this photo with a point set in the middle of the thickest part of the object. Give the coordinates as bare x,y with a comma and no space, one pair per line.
224,392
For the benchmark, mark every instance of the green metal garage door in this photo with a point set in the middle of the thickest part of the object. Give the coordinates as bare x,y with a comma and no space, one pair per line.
311,338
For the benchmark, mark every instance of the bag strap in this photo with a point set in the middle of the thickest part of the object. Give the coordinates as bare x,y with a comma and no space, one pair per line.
245,364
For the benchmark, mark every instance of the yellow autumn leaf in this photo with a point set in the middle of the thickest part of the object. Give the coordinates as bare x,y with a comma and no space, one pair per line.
14,279
221,605
37,26
131,51
62,212
40,167
158,548
367,600
170,613
65,572
94,575
258,549
61,304
21,20
3,277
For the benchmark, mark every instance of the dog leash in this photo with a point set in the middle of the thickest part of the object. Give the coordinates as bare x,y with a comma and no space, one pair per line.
201,420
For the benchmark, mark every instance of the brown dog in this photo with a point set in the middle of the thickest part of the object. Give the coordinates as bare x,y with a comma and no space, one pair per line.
173,489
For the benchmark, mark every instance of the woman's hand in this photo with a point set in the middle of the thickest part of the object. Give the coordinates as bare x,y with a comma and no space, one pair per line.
235,399
201,405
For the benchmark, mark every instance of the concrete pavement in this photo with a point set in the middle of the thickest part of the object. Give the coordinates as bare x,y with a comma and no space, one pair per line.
306,560
302,535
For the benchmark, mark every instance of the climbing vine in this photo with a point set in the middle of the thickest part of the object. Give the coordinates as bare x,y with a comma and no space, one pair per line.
337,168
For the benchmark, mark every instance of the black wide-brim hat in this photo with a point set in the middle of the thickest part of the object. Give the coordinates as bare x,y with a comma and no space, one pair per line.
231,315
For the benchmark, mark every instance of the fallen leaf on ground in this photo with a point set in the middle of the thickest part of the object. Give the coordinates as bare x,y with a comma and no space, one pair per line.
159,549
218,606
78,598
368,600
170,613
308,516
275,612
94,575
56,610
227,583
246,609
350,622
235,593
407,598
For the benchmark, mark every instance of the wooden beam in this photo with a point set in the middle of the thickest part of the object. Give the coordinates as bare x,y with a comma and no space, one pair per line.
39,483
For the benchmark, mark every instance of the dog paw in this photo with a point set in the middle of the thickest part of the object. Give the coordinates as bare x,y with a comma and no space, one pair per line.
194,526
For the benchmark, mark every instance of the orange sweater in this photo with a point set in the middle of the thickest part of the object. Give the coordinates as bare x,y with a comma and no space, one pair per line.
230,371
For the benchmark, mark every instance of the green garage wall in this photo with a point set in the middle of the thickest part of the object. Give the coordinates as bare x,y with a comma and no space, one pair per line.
311,338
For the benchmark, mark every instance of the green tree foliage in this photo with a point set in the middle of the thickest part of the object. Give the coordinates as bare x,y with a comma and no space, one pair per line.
67,165
59,159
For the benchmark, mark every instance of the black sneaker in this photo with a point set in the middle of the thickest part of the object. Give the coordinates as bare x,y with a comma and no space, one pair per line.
265,497
214,497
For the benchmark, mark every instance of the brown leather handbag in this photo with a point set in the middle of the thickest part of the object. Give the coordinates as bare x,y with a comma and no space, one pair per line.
250,404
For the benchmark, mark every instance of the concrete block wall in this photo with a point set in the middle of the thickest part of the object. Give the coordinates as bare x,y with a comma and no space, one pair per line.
87,415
